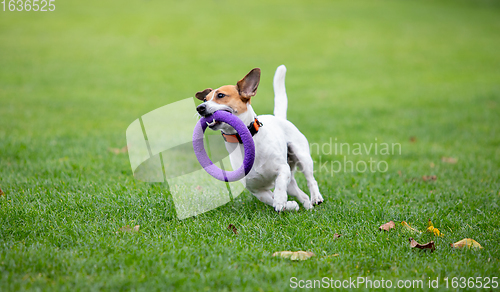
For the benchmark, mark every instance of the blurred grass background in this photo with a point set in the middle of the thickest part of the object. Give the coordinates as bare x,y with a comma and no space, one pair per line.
72,80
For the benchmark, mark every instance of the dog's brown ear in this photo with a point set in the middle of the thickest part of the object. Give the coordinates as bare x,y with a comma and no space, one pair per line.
247,87
201,95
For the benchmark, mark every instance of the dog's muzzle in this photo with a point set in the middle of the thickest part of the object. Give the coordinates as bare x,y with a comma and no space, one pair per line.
202,109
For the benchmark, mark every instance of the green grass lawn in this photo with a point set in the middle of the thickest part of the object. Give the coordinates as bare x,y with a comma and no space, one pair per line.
72,80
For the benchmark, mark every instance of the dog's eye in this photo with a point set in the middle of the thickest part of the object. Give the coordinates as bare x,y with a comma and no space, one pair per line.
204,100
221,95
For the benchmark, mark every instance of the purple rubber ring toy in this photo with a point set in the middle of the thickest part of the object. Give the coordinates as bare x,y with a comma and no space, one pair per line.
246,138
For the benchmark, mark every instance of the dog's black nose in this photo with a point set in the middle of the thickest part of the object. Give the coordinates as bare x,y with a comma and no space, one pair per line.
202,108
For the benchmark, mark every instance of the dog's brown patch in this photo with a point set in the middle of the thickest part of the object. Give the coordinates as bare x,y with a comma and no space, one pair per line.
201,95
247,87
228,95
235,96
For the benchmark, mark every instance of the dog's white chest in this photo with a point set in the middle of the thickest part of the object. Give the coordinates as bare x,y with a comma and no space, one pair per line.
270,153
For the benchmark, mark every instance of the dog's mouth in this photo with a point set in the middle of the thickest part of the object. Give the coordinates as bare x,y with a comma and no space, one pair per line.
213,124
225,109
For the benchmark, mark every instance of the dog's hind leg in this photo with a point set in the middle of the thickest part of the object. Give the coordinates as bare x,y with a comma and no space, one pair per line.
316,197
306,166
294,190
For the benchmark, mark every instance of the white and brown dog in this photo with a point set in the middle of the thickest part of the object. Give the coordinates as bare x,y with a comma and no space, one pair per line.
280,148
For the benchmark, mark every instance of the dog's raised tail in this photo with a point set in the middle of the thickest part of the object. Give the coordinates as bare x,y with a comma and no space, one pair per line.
280,98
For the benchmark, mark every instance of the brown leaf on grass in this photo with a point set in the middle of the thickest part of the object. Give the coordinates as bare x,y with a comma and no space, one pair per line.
294,255
408,227
119,150
232,228
449,160
1,193
466,242
429,177
387,226
429,245
413,139
127,228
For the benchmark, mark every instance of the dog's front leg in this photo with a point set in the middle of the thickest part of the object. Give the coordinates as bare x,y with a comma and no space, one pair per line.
280,196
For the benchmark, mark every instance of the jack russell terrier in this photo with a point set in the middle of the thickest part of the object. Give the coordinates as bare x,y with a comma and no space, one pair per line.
280,148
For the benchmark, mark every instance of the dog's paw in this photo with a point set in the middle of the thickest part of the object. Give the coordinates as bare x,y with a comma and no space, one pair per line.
287,206
308,205
317,200
280,207
291,206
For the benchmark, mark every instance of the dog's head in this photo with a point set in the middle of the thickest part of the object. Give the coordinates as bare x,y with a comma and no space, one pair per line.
231,98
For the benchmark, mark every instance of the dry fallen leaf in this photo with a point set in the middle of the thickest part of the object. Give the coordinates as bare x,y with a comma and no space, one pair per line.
127,228
429,245
466,242
429,177
433,229
1,193
408,227
387,226
119,150
232,228
449,160
413,139
294,255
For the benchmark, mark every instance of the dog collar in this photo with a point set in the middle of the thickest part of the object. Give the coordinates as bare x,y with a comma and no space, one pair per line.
235,138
